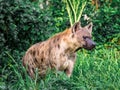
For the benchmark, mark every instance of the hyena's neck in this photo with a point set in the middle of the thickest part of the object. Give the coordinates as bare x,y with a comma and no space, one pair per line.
62,42
69,48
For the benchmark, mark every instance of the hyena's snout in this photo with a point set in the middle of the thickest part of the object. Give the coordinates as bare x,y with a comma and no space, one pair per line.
90,44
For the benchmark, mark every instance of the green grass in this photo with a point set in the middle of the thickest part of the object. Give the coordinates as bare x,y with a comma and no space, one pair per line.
94,70
99,70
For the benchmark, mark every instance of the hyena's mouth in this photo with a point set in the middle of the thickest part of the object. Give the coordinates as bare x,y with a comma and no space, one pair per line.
89,44
88,47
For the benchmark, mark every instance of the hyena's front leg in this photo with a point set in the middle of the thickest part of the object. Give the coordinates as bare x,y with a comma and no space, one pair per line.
69,68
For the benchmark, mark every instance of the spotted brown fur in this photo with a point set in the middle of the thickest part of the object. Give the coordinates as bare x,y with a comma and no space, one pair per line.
59,51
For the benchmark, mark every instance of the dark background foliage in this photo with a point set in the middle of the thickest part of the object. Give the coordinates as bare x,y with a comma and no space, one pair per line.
105,17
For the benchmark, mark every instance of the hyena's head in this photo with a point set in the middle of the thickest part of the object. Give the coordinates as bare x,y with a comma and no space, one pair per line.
82,36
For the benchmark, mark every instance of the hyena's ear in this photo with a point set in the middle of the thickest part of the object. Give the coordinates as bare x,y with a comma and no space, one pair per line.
76,27
89,27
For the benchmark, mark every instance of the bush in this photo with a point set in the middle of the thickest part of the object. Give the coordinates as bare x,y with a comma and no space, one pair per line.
105,20
21,24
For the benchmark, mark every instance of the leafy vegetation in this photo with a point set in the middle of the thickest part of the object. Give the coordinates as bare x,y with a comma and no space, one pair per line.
24,22
105,20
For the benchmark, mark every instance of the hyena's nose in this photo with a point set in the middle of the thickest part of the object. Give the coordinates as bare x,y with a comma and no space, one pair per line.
90,44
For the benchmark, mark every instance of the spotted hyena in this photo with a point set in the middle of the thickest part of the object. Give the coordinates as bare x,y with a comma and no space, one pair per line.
59,51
